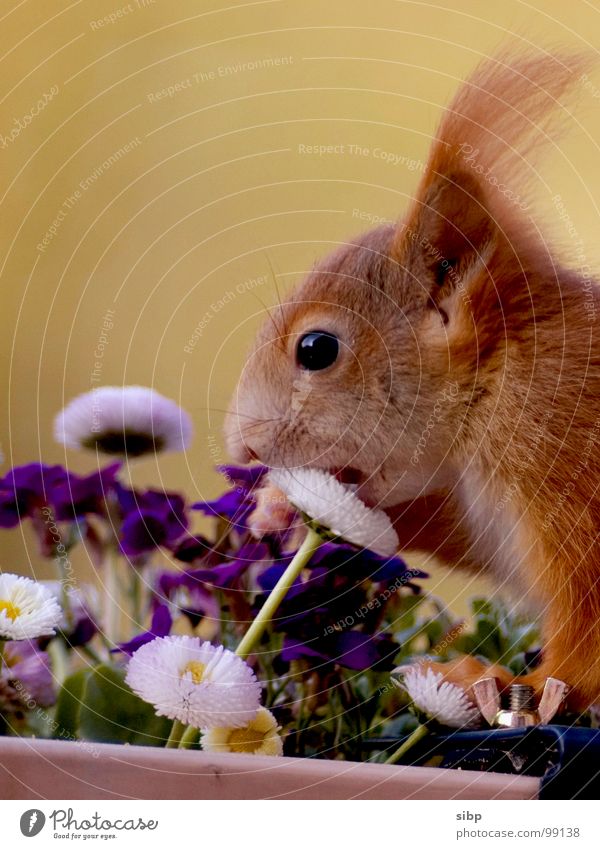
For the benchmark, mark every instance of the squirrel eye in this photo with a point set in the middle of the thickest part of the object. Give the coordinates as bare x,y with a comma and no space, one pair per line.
317,350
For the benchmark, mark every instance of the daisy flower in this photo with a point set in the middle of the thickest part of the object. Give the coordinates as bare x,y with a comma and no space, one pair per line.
198,684
27,609
259,737
332,510
127,420
334,507
436,699
433,700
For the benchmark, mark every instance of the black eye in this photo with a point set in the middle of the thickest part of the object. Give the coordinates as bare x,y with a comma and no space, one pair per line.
317,350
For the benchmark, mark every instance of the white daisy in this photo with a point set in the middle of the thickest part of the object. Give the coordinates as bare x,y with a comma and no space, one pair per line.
335,507
437,699
258,737
27,609
128,420
199,684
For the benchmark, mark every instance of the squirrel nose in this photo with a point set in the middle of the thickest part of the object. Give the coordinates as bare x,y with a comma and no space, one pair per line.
239,450
243,444
240,453
249,454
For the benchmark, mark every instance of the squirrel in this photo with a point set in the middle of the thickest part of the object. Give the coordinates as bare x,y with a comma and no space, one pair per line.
449,367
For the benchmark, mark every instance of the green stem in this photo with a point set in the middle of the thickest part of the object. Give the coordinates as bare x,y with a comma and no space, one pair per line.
2,643
111,596
176,734
276,693
89,652
59,656
189,737
63,580
418,734
311,543
136,597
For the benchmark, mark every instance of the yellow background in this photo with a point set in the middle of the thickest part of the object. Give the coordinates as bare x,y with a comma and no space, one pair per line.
214,191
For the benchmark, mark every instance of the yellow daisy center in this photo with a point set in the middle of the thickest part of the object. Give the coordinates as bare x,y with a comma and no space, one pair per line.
246,740
197,670
11,610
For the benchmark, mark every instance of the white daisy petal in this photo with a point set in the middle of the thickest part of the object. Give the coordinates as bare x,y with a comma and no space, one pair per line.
258,737
447,703
195,682
27,609
128,420
334,506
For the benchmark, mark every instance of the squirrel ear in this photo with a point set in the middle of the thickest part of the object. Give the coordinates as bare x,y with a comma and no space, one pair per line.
453,228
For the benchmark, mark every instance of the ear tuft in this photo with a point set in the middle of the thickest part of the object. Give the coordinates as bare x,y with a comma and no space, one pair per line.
454,226
471,204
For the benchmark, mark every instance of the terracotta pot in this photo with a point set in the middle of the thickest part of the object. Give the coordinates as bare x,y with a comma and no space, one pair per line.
52,769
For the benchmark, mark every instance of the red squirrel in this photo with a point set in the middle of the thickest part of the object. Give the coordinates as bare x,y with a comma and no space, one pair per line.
449,365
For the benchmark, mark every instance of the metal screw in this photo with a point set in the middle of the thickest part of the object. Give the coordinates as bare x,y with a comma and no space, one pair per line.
521,697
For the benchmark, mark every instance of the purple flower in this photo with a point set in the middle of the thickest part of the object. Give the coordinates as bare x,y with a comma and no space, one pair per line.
236,504
25,678
244,477
79,496
142,532
160,627
151,519
363,564
309,605
330,616
24,490
193,548
226,574
84,629
351,649
339,576
189,596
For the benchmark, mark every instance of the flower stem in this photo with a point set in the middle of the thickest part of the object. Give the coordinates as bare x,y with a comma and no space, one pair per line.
418,734
64,581
176,734
89,652
59,656
189,737
136,597
311,543
2,643
111,594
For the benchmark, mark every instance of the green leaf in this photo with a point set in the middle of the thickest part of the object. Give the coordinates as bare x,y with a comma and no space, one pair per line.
435,632
482,607
498,635
487,639
112,713
68,705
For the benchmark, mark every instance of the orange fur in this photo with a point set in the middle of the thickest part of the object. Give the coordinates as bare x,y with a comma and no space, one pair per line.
467,390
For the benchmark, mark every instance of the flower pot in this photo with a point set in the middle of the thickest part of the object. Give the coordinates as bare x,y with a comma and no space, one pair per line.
52,769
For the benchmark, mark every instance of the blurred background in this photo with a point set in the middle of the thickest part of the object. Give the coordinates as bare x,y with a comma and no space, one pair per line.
163,174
